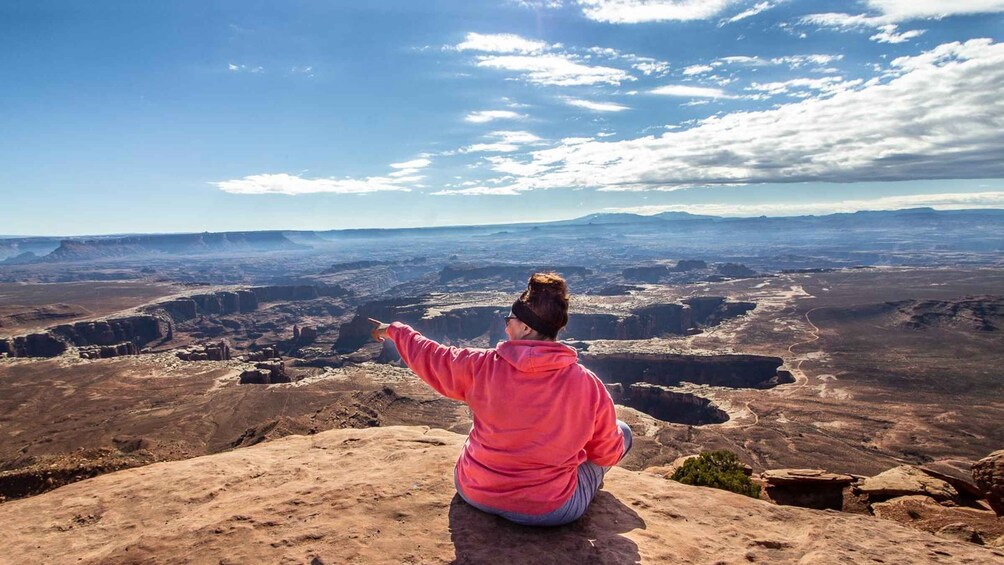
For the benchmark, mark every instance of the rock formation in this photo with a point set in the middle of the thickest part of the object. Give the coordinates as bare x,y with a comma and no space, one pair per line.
989,476
471,322
906,480
956,522
807,488
171,244
32,345
956,472
209,352
386,495
265,373
735,271
137,329
106,351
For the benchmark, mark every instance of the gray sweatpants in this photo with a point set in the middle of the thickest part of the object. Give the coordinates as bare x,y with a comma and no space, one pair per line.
590,478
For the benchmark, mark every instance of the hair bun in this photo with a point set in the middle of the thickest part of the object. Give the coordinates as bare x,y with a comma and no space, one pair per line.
549,284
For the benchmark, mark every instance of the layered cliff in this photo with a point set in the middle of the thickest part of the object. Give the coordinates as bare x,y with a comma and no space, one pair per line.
466,323
112,335
173,244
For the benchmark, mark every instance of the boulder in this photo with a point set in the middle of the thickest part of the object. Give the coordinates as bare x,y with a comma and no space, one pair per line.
960,531
988,474
956,472
925,513
906,480
386,495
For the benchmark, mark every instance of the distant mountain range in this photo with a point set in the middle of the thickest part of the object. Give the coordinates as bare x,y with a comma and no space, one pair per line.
43,249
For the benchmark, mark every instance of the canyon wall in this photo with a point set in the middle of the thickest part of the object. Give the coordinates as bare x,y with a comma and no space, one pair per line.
735,371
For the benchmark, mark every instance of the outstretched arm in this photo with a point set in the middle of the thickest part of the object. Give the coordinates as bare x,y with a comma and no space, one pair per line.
449,370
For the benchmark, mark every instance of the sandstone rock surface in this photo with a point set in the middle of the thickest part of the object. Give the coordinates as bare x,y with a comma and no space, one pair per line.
385,495
924,513
989,476
906,480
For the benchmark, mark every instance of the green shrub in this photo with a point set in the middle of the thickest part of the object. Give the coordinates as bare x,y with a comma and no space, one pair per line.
717,469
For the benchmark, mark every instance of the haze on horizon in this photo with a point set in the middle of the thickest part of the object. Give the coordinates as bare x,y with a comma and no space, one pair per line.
220,116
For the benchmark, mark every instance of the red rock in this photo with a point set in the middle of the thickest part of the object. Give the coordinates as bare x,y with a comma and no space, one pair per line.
989,476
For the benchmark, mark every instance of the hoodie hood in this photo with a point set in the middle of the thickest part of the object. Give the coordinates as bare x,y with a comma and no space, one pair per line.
535,356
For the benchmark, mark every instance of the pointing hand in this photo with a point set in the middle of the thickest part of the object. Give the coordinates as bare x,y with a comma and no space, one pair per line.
379,331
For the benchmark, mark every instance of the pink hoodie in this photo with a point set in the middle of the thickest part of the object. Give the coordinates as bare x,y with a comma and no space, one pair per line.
538,415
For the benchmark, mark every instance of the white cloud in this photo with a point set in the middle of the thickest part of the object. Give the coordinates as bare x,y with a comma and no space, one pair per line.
292,184
645,65
903,10
697,69
244,68
639,11
648,66
690,91
479,191
946,201
500,43
756,9
742,60
828,85
797,61
846,22
413,164
941,117
843,21
537,4
503,142
596,106
887,34
554,69
485,116
897,11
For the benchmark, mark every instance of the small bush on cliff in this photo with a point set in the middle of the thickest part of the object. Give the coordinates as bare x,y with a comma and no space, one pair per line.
717,469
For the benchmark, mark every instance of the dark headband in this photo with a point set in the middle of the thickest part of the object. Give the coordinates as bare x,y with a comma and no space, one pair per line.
530,318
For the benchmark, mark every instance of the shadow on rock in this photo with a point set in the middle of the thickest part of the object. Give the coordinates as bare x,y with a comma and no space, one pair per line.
595,538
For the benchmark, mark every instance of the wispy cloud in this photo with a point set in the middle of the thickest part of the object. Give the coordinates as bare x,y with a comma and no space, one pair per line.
639,11
479,191
937,115
485,116
887,34
500,43
645,65
503,142
541,63
419,163
555,70
697,69
945,201
846,22
756,9
903,10
283,183
234,68
685,91
800,87
596,106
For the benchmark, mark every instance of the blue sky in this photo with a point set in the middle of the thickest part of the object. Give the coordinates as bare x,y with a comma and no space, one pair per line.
119,117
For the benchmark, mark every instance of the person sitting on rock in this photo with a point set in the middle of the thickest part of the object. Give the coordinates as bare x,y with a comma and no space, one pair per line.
545,431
